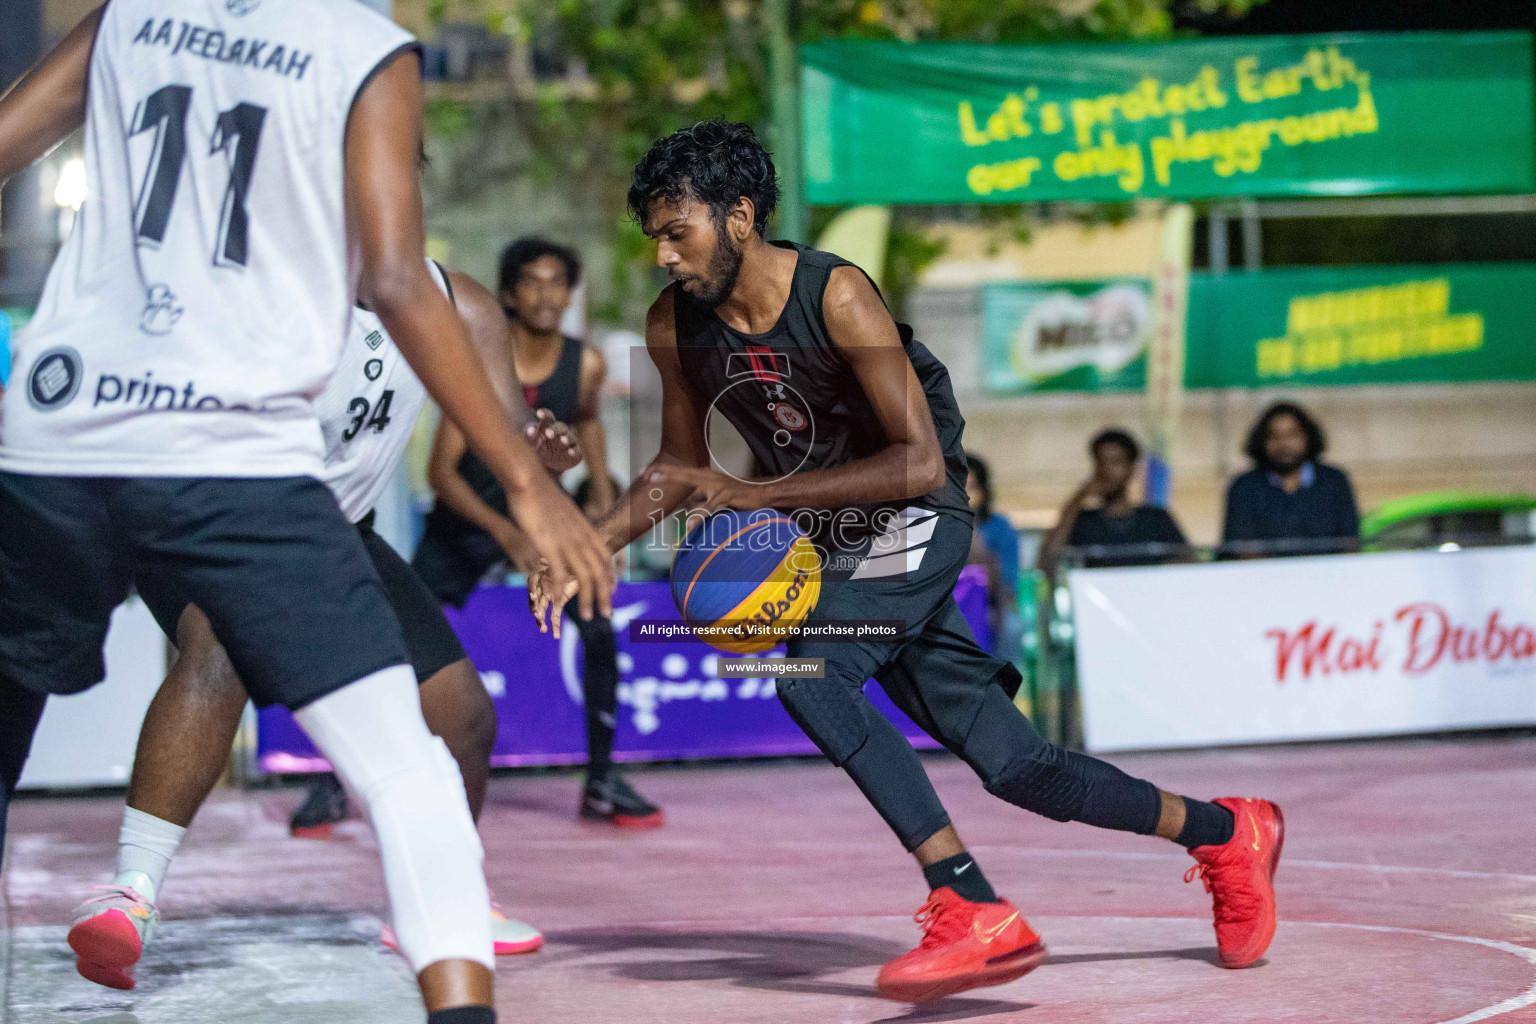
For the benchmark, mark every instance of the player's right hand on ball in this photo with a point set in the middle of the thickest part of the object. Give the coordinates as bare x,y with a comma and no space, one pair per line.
574,552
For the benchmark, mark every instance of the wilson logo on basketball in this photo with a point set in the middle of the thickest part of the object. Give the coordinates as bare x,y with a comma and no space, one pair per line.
769,613
1417,638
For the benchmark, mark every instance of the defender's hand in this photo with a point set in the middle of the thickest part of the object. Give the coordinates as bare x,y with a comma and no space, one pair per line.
553,442
712,490
567,543
546,594
518,549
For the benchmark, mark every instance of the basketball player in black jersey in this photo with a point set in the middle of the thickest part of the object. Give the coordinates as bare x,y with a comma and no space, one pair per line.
466,530
855,423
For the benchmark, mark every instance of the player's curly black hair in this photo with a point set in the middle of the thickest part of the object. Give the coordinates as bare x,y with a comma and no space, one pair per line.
1116,436
1317,441
525,250
713,162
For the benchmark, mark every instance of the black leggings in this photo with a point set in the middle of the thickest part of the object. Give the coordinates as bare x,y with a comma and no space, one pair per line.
1014,761
600,686
20,711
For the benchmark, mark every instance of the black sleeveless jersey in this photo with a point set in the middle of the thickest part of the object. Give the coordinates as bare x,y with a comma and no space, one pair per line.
794,398
560,393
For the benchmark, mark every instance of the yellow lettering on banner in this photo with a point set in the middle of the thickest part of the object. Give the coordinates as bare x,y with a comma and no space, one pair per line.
1006,122
1248,80
1150,98
1050,118
1277,358
1322,352
969,133
984,179
1108,159
1241,148
1231,150
1368,327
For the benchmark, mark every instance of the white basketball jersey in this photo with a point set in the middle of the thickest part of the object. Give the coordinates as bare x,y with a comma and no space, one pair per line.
199,305
367,412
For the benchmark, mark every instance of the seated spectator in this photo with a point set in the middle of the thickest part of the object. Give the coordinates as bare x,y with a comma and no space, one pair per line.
1289,502
1101,521
995,544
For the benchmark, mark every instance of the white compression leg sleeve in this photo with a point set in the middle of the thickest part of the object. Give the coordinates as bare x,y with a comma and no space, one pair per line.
373,734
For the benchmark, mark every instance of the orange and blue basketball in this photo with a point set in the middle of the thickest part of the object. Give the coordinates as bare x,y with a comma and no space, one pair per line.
742,579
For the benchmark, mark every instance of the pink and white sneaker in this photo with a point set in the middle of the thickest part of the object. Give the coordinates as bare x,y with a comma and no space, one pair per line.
510,937
110,931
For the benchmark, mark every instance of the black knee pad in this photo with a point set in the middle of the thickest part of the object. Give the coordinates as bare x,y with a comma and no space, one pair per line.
830,714
1018,765
1045,786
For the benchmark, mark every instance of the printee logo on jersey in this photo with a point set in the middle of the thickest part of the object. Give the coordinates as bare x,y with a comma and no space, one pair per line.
54,379
145,394
212,44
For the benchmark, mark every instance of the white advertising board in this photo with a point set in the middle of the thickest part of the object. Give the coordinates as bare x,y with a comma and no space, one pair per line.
1306,648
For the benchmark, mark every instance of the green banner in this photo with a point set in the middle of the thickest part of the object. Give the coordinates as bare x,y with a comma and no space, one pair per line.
1067,336
1362,325
1258,116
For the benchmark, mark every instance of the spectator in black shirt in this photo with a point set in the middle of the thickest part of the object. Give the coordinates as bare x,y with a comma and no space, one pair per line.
1143,534
1289,502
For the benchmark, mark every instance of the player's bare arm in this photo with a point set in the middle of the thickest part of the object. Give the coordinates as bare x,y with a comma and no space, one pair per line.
589,426
384,207
554,442
648,501
40,110
912,462
448,447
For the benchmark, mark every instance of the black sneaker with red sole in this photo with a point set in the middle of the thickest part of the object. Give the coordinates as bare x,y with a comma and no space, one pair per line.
610,798
322,809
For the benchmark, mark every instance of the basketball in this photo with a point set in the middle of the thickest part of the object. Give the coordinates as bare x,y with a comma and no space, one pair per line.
742,579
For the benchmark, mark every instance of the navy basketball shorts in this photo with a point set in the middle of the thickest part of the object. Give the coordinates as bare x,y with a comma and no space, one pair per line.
429,639
285,580
937,673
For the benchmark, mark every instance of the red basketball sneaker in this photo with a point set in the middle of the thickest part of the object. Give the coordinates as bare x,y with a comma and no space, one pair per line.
965,945
1240,876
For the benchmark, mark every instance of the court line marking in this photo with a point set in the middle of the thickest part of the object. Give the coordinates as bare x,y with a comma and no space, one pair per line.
1041,851
1515,1002
1331,865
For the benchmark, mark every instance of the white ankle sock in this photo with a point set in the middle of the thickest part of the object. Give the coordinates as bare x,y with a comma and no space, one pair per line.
146,845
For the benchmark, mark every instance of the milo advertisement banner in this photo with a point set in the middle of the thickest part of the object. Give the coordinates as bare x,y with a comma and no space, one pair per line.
1078,336
1358,114
1363,325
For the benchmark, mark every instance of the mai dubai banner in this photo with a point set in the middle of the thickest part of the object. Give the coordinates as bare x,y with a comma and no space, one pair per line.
1362,325
672,704
1345,645
1066,336
1425,112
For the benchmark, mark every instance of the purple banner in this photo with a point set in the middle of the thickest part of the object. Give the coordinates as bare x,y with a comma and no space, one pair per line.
671,704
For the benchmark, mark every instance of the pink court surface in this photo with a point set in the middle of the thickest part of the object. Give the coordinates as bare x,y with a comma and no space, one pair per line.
1407,895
